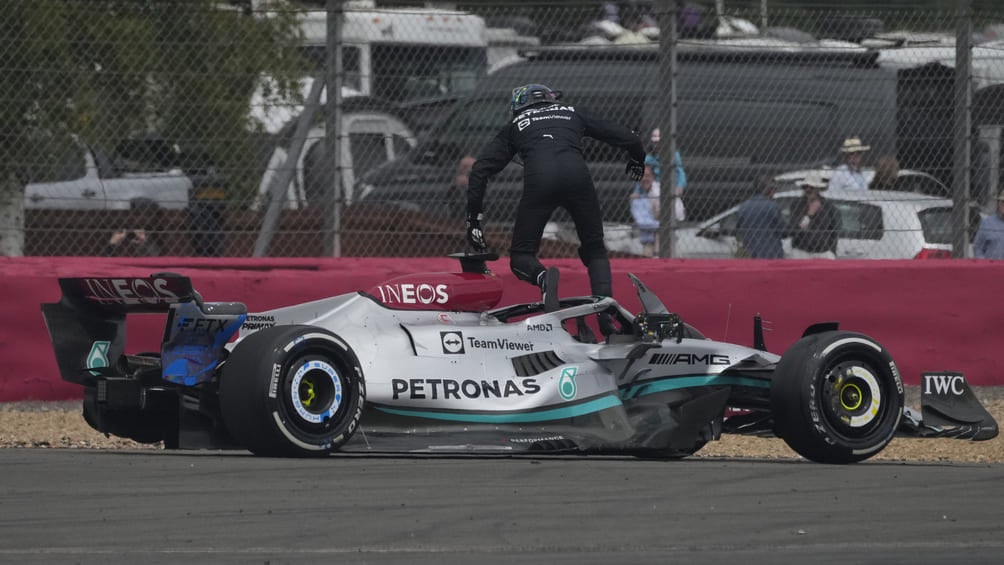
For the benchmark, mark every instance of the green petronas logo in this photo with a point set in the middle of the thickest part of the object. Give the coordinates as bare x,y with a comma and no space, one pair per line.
566,384
98,357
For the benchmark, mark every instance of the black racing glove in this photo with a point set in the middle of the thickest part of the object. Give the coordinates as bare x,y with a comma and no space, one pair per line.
635,170
475,235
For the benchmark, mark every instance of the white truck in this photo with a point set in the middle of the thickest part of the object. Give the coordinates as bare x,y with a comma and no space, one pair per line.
391,56
396,55
370,138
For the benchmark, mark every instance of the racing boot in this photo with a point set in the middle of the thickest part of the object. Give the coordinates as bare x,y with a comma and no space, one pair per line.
548,283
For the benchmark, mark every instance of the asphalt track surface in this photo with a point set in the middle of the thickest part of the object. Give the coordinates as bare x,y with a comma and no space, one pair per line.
118,507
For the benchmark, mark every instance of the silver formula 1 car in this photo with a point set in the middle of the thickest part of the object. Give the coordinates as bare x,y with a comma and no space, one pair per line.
428,363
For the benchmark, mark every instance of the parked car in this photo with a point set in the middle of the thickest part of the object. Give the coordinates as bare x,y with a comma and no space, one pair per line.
875,224
908,181
88,179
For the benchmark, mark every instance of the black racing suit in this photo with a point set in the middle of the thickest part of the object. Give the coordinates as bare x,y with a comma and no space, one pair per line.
548,138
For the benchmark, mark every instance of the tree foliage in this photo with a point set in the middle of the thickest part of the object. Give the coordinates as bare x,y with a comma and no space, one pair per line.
103,70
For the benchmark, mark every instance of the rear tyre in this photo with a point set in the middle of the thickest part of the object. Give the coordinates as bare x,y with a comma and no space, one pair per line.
292,391
836,397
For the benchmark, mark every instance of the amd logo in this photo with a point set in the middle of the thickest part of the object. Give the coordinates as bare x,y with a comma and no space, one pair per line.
944,383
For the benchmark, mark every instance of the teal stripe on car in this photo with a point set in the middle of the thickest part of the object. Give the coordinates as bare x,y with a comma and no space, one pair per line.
562,413
675,383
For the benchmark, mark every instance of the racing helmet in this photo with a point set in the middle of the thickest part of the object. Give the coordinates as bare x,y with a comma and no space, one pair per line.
529,94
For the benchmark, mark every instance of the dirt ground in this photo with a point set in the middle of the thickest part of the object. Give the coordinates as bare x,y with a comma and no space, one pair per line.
42,425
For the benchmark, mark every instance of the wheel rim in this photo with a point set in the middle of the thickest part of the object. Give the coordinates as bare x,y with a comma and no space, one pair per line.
316,392
853,399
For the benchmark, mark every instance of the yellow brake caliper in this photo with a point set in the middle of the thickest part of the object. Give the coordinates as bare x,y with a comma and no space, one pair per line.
307,394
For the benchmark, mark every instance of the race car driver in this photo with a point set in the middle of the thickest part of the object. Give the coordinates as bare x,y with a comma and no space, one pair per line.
547,135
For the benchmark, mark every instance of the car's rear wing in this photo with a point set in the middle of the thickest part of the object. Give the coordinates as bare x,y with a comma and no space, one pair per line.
155,293
87,325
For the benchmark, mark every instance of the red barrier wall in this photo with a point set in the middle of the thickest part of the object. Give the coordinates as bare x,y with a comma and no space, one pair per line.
932,315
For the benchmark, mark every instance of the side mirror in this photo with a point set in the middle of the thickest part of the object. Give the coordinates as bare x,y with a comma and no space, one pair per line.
557,94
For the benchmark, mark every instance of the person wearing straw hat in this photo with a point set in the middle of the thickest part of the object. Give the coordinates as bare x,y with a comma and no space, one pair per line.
815,222
848,176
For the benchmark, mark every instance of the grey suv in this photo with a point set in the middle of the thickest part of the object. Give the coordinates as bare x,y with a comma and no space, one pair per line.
741,115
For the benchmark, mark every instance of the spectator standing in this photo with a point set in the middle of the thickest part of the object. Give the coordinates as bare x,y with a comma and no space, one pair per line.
886,174
206,211
848,176
652,160
989,241
760,225
645,211
815,222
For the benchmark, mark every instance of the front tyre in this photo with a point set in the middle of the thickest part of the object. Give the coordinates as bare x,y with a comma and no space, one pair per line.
292,391
836,397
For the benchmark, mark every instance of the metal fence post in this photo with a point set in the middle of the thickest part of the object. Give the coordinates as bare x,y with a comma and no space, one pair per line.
963,119
11,216
667,125
280,183
333,128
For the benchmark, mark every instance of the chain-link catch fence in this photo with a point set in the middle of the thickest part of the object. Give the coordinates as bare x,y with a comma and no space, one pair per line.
201,127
